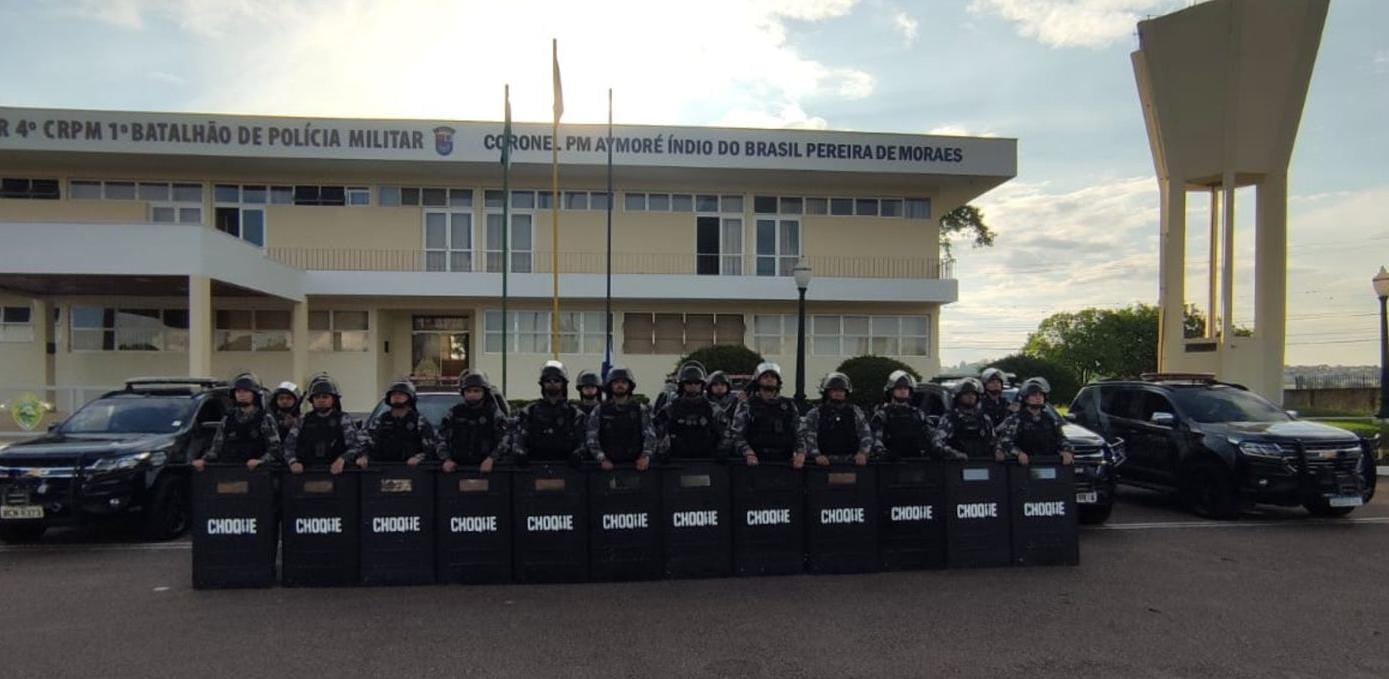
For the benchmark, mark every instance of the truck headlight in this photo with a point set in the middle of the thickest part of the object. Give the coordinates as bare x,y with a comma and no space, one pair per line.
1269,451
116,463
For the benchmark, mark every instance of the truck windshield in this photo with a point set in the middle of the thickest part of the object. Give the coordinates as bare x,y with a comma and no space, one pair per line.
1226,404
130,416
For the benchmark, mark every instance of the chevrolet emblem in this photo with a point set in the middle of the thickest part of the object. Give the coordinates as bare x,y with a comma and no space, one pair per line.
34,473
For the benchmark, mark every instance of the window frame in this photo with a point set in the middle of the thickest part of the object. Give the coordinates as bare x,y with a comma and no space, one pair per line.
449,251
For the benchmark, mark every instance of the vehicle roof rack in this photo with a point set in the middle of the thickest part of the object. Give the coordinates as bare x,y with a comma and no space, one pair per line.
1188,378
202,382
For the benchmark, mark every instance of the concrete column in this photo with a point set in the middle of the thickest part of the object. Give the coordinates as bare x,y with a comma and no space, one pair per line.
199,326
1227,261
42,321
299,343
1271,282
1171,272
1213,266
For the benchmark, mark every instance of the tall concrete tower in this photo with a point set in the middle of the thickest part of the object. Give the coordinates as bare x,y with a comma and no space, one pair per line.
1222,85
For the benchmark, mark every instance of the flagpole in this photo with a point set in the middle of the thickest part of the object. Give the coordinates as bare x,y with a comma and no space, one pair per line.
554,206
608,299
506,225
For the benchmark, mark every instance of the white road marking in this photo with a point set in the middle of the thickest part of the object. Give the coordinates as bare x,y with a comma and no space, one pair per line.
135,547
1290,523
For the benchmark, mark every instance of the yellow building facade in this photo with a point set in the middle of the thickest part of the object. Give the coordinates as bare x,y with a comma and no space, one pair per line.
172,244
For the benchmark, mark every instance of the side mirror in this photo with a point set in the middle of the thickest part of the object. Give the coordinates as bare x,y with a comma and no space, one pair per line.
1162,419
1291,413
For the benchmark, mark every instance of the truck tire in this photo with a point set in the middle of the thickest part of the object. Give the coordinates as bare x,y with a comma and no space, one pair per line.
1208,489
168,514
1091,515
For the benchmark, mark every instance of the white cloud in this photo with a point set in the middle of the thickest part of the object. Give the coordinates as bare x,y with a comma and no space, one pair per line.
668,63
1075,23
905,25
959,130
1381,61
166,78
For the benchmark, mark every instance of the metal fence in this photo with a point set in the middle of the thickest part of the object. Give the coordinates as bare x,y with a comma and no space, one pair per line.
1359,379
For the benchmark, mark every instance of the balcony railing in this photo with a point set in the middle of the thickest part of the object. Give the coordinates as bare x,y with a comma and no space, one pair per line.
652,263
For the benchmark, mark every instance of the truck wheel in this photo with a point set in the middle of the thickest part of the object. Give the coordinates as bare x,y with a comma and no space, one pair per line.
1209,490
167,515
1095,514
1320,508
19,533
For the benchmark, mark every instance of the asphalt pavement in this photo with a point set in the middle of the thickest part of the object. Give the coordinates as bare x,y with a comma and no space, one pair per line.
1159,593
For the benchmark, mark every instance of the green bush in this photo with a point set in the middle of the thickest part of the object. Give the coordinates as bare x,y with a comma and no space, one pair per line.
734,359
868,374
1064,383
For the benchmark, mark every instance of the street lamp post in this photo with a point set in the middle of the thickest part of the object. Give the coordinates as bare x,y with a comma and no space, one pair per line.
802,275
1381,281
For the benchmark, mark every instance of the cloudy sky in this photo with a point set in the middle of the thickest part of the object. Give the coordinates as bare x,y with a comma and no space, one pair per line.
1077,228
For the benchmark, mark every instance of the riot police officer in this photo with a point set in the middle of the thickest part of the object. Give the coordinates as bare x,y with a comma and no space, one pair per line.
325,435
619,429
900,429
247,434
992,401
837,428
692,425
550,429
401,433
474,431
767,425
720,391
965,431
284,407
590,391
1035,429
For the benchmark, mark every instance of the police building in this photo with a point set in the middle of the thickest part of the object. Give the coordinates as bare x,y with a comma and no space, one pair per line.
174,244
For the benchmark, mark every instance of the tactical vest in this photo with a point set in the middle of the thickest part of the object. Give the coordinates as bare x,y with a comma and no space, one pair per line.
970,433
836,430
553,431
285,421
472,433
691,426
619,433
320,439
586,408
397,440
1037,437
772,428
903,433
242,441
998,411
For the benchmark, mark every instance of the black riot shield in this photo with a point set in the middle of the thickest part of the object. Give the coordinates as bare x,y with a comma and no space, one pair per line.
624,528
841,503
474,526
1045,529
977,519
911,511
696,526
234,532
397,524
768,519
319,545
550,533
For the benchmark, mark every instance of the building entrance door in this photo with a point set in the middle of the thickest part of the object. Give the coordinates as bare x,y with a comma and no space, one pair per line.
439,347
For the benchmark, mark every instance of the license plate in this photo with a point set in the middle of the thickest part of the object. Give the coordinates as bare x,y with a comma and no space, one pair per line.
1346,501
1087,498
21,512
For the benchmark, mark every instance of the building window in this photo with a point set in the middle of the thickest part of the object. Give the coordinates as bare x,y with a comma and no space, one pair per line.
240,211
107,329
521,245
719,246
338,331
678,334
32,189
774,334
329,196
16,324
580,332
247,330
448,240
778,246
833,335
918,208
413,196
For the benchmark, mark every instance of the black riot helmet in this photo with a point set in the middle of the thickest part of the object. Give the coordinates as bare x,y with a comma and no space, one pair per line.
588,378
469,379
691,373
619,372
1034,385
899,378
323,384
993,374
717,377
249,382
968,385
835,380
554,370
401,387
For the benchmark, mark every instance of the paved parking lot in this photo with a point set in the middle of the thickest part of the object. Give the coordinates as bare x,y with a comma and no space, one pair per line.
1159,594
